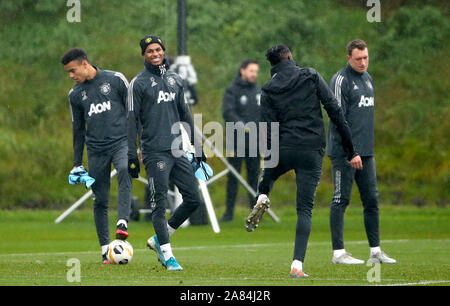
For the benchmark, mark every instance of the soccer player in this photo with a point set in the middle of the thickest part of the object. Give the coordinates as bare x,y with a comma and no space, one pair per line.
157,102
98,106
354,90
292,99
241,104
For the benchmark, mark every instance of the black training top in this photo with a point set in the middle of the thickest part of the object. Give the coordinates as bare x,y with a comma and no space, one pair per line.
355,94
98,109
292,97
156,101
241,101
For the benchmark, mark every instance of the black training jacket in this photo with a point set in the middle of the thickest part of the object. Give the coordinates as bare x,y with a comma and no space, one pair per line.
355,95
241,101
157,103
98,108
292,97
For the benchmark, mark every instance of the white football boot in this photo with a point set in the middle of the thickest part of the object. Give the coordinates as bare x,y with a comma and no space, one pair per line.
346,259
381,257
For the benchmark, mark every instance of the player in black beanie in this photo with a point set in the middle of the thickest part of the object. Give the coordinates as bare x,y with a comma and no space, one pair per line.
151,39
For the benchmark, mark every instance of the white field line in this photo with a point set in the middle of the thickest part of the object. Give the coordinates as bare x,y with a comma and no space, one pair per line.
259,245
253,245
420,283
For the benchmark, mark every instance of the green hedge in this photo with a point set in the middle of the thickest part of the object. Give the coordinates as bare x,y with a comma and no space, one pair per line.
409,62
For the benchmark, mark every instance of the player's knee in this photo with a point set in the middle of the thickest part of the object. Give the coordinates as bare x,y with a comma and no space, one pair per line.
192,199
100,203
370,204
122,169
370,201
339,203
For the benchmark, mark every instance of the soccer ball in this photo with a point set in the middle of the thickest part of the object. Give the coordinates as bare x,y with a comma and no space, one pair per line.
120,252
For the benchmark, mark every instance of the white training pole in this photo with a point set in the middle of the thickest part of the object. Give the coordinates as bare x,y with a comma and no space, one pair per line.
86,196
204,189
75,205
235,173
209,207
217,176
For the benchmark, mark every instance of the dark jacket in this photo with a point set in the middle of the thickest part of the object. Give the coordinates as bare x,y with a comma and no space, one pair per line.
355,95
157,103
98,108
241,101
292,97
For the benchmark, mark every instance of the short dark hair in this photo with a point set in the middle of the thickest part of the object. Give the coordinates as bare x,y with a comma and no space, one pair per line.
276,53
356,44
247,62
74,54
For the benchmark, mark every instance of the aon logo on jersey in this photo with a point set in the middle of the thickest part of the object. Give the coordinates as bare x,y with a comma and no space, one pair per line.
166,96
366,101
99,108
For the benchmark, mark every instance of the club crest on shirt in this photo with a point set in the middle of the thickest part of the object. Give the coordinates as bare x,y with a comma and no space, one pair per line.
369,84
243,99
83,95
105,88
171,81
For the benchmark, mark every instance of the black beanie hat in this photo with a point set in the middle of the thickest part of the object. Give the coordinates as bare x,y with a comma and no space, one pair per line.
151,39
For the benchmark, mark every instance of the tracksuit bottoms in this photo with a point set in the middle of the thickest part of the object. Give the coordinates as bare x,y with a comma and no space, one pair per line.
307,165
162,167
366,179
100,168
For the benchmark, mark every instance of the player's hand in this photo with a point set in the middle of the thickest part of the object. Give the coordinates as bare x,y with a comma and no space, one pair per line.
356,162
134,167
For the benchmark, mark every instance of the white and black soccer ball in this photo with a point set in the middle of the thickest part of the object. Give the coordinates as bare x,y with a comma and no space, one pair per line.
120,252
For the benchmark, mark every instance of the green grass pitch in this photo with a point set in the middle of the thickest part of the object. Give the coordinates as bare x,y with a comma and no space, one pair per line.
36,251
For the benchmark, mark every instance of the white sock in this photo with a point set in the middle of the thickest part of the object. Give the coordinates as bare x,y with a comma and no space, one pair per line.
297,264
261,197
170,230
104,248
337,253
122,221
166,249
375,250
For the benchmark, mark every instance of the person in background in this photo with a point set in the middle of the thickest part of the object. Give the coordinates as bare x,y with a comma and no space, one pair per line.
240,106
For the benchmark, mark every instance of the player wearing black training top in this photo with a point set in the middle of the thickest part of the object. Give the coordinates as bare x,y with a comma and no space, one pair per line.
157,102
98,107
292,98
354,90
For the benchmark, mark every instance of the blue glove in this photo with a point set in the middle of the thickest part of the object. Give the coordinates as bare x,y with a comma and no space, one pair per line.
201,169
75,175
80,175
87,180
